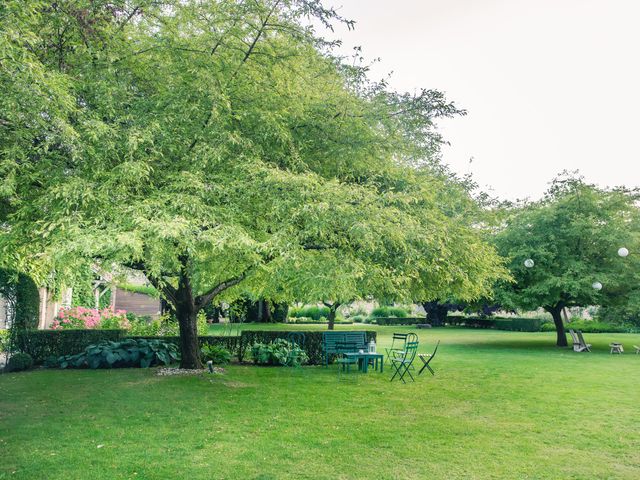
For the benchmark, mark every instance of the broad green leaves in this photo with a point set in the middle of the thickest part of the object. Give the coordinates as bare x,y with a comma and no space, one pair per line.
215,141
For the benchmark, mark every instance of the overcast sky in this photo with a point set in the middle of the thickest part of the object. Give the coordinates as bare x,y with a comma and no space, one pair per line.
548,84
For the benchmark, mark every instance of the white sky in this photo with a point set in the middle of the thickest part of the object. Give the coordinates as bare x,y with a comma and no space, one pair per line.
548,84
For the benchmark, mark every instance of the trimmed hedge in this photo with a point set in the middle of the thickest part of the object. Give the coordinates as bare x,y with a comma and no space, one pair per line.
41,344
231,343
312,341
513,324
519,324
470,322
396,320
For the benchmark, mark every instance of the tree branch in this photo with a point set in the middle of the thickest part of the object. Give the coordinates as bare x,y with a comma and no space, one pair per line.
204,299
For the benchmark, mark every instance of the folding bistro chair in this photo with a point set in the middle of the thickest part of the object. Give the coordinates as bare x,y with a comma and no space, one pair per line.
398,344
426,359
402,364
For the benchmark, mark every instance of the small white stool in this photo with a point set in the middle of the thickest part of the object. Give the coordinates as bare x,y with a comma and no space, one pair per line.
616,348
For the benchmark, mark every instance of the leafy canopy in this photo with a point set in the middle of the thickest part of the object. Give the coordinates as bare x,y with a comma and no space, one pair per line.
219,143
572,235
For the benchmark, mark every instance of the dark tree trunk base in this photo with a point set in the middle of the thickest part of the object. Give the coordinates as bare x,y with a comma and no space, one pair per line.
561,339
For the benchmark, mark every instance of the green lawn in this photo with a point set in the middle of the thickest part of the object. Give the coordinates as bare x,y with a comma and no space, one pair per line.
502,405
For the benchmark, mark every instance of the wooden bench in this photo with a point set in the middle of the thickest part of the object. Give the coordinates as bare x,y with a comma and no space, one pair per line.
330,341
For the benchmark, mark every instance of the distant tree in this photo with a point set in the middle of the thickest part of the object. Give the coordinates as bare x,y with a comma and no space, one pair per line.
572,235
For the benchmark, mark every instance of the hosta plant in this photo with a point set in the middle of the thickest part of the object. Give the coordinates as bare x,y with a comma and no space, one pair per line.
122,354
278,352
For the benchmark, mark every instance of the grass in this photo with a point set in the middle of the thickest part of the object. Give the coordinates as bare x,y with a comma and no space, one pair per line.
502,405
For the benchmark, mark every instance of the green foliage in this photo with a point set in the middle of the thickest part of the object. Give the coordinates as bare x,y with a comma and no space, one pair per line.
358,318
312,342
166,325
216,354
396,320
121,354
321,320
592,326
278,352
23,298
309,311
572,235
141,289
390,311
43,344
19,361
519,324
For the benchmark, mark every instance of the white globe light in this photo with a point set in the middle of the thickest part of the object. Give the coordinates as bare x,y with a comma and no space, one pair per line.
597,285
529,263
623,252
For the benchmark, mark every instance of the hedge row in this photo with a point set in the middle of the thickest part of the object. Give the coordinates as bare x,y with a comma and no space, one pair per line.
312,342
514,324
396,320
231,343
41,344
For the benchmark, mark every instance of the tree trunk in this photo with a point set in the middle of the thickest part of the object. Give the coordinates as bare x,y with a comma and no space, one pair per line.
436,313
189,346
187,314
556,313
332,314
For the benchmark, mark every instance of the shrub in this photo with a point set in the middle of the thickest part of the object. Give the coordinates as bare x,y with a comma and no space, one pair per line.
216,354
230,343
517,324
19,361
122,354
312,311
591,326
386,312
312,343
42,344
397,320
166,325
358,319
278,352
321,320
470,322
90,318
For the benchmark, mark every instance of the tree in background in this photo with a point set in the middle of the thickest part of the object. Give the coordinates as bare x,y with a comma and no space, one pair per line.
572,235
220,147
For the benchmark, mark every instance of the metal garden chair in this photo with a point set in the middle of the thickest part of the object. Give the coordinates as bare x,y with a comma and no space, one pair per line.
398,344
402,364
426,359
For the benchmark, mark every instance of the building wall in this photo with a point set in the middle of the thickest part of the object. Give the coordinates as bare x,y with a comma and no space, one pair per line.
135,303
3,313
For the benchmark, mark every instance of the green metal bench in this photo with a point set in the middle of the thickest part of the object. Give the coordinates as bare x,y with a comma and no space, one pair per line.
331,341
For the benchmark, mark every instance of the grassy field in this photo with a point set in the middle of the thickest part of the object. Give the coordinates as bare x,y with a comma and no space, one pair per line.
502,405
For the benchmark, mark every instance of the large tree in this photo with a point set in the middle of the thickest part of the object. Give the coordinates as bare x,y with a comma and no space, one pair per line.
572,235
215,145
